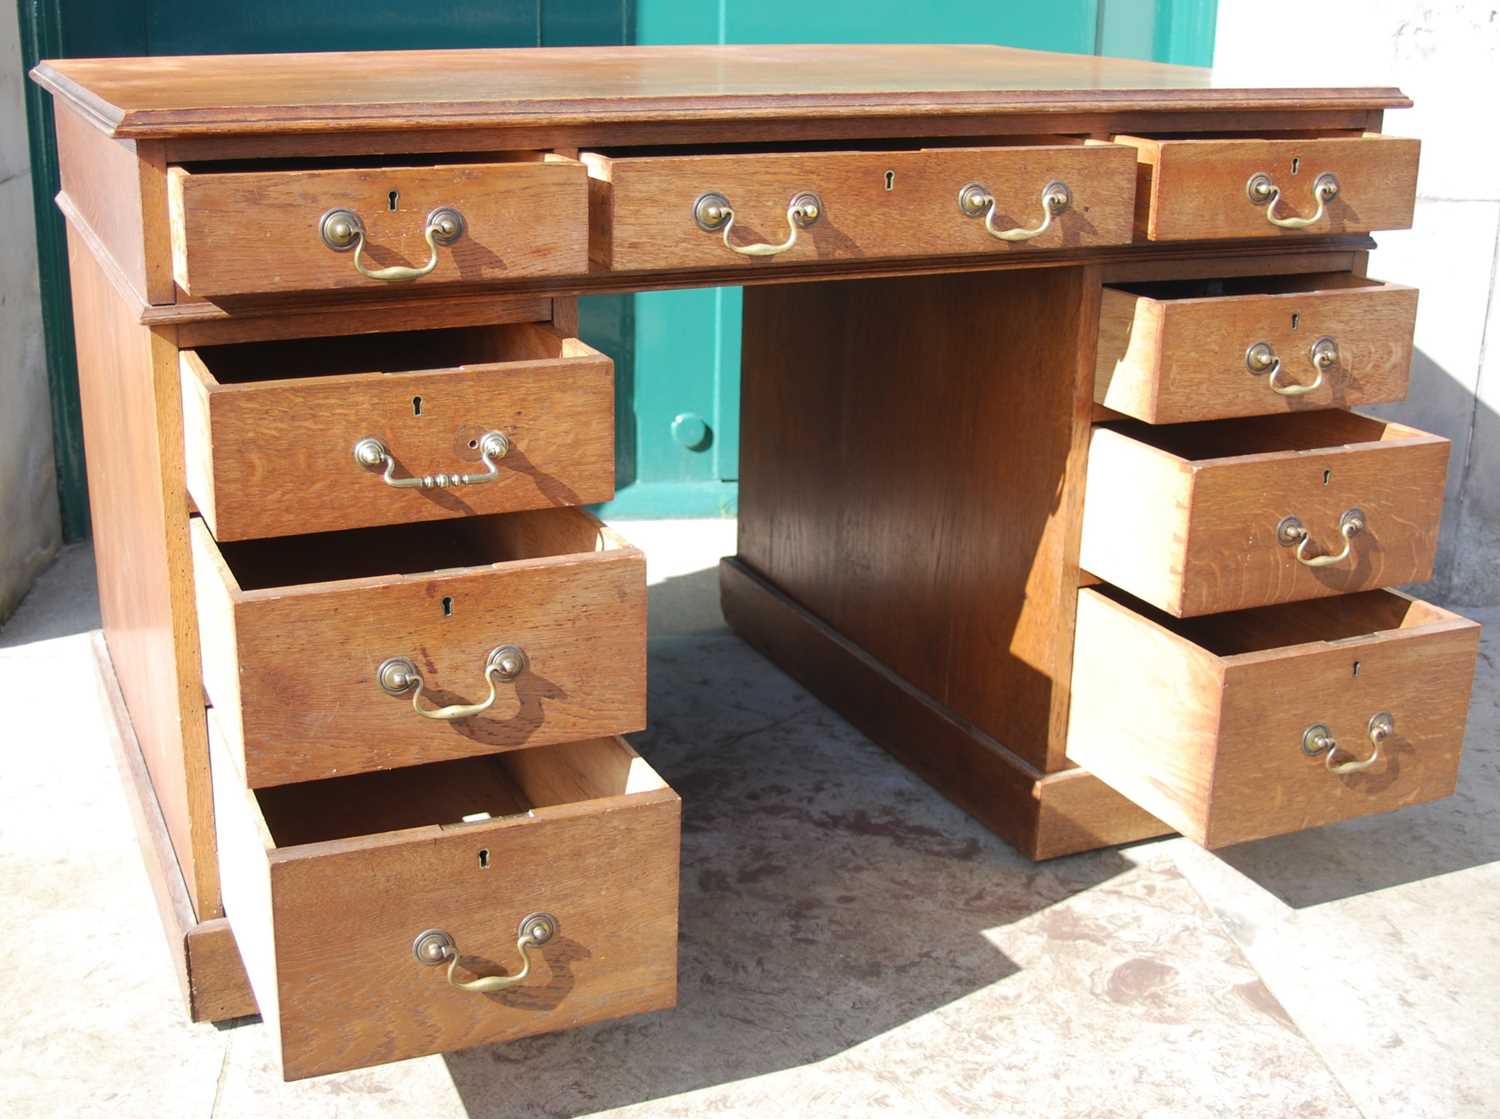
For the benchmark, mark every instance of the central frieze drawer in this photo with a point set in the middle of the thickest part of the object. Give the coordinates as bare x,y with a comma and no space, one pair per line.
1259,722
332,885
699,211
516,630
245,232
451,423
1201,518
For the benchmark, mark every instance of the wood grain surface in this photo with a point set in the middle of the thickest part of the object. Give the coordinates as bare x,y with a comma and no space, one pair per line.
1043,815
270,428
295,629
203,953
334,919
395,91
132,429
1195,189
1201,722
117,188
1185,516
1173,352
875,204
235,233
911,472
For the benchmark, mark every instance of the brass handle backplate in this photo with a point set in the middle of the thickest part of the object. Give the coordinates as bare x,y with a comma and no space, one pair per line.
1261,358
434,946
343,230
1291,531
1262,191
976,200
399,675
1318,739
712,212
371,453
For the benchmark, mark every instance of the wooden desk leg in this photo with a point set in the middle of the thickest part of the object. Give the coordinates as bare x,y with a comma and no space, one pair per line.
911,492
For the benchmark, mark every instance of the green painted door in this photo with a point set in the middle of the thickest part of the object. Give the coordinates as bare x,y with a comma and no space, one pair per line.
679,351
676,353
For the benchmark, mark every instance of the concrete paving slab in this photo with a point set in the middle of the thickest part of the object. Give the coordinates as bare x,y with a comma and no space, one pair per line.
851,943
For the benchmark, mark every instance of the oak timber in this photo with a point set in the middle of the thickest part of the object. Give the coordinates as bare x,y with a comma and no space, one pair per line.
1042,815
1174,351
237,233
330,889
203,953
1194,188
389,91
296,628
1185,516
874,204
911,472
1202,722
270,427
132,429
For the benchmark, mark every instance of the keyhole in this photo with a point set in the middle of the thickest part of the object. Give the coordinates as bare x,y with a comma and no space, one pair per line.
447,607
1327,474
1296,320
1356,668
1296,164
416,406
484,858
890,180
392,198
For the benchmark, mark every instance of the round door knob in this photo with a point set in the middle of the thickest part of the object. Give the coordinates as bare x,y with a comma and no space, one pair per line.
690,430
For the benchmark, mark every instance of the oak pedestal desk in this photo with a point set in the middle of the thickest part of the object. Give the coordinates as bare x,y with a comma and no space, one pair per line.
1049,481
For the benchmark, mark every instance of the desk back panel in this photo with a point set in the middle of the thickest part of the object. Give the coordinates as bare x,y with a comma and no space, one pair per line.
911,473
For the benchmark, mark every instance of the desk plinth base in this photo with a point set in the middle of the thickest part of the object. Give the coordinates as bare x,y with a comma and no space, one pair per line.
204,954
1043,815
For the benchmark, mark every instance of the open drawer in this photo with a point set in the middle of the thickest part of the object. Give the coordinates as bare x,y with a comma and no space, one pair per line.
1254,723
1205,517
483,419
552,872
341,653
728,209
1179,350
302,226
1215,188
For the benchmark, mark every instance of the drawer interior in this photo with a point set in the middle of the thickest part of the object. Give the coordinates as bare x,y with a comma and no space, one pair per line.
453,793
1257,435
1286,625
413,549
1215,288
397,352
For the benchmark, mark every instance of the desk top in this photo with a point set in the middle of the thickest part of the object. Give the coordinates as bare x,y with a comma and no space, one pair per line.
216,95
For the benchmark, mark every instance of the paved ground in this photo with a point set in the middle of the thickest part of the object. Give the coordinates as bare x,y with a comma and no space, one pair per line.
851,944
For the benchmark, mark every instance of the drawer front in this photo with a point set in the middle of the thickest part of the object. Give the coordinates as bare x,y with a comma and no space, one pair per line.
242,233
1175,360
1198,190
277,457
1212,744
295,669
327,928
1204,536
870,204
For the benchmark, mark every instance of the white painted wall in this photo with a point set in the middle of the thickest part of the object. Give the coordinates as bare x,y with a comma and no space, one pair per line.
1446,57
29,526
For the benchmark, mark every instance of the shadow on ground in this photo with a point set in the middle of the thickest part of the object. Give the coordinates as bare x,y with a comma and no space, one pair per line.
64,600
828,896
